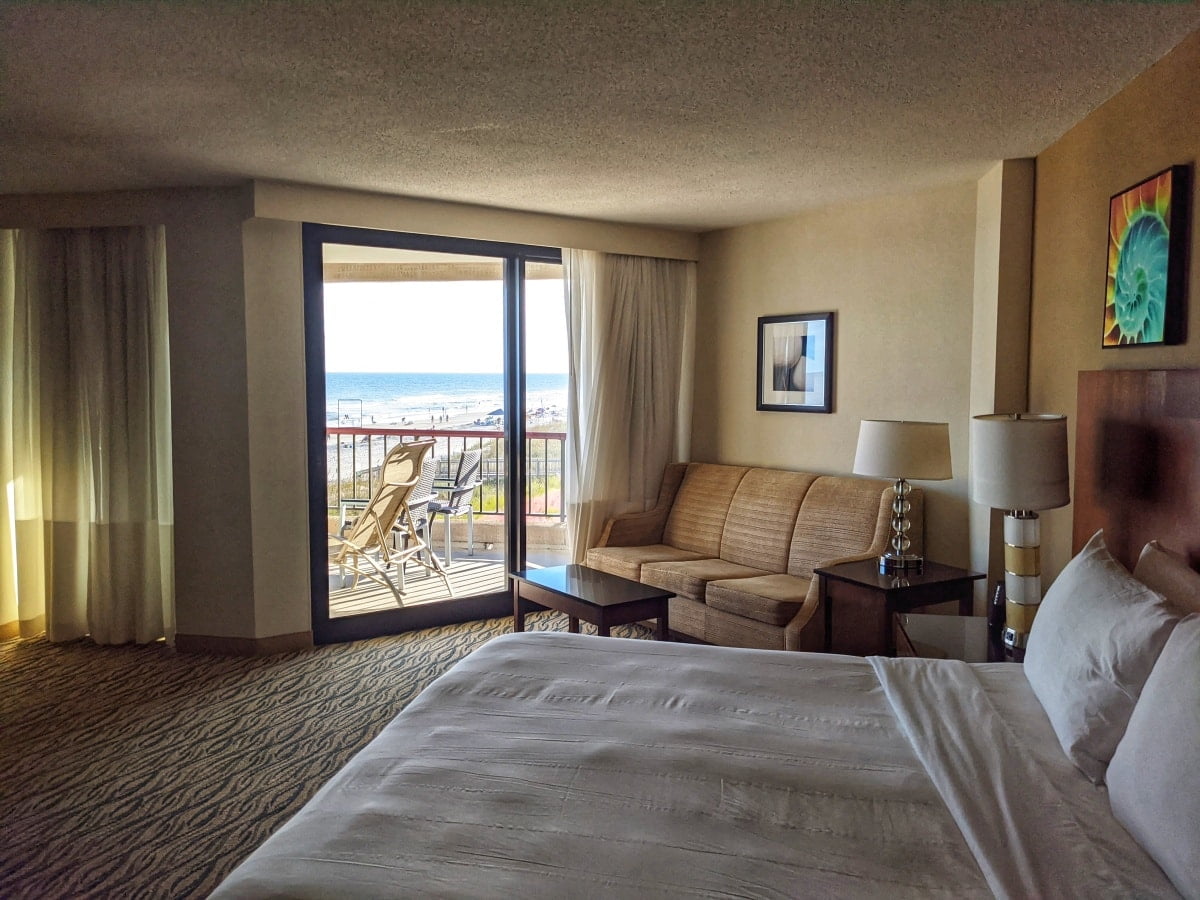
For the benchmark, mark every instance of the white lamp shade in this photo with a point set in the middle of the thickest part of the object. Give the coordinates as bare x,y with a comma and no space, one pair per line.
913,450
1019,461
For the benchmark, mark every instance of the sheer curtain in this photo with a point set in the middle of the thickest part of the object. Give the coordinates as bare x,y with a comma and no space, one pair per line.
85,439
630,322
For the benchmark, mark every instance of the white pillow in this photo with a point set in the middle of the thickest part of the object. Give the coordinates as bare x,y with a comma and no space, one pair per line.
1154,777
1092,646
1169,574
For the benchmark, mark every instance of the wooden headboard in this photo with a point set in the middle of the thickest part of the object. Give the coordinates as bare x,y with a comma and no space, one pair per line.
1137,461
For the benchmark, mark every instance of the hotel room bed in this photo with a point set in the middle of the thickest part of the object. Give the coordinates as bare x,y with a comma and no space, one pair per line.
563,765
558,765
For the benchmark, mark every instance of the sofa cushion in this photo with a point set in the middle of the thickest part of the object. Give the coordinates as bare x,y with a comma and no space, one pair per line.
689,579
762,517
698,515
774,599
628,561
839,517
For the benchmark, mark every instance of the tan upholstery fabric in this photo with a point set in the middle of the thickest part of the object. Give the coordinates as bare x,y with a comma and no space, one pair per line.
807,630
689,579
773,599
645,527
840,516
730,630
722,549
686,616
762,517
627,561
698,516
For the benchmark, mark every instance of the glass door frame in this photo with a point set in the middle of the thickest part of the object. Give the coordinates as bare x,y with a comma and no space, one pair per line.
327,629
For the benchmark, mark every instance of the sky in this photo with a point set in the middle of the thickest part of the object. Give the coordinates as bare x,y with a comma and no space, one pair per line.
439,326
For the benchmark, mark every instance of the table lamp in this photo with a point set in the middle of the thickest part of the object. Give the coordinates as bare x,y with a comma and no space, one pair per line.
1019,465
902,450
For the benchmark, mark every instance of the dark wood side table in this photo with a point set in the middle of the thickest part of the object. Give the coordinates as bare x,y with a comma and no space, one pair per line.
597,597
866,600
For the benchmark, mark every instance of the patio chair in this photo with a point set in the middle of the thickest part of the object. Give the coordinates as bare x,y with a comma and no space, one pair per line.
461,499
417,512
368,548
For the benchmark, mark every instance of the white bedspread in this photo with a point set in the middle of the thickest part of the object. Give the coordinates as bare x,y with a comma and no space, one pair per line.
555,765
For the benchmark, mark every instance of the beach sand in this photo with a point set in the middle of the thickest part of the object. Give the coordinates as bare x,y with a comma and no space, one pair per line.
480,419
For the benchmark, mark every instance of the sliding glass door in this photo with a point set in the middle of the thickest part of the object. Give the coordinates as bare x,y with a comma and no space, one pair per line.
420,339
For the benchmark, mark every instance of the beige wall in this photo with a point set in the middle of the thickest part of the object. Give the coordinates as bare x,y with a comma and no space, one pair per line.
1153,123
329,206
278,435
898,274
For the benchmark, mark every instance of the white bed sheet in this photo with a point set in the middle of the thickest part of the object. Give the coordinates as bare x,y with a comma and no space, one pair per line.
551,765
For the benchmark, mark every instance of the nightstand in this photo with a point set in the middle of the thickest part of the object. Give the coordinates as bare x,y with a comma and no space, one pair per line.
945,637
863,600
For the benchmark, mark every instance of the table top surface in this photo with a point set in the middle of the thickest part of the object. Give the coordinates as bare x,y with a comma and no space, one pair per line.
866,572
590,585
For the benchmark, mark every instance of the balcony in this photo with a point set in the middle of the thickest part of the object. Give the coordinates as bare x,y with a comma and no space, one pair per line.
353,456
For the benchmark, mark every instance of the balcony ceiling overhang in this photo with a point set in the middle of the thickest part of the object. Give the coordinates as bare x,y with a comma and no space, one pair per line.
355,263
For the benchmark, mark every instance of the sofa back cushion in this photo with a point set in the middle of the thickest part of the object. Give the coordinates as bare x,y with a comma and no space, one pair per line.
698,515
762,516
840,517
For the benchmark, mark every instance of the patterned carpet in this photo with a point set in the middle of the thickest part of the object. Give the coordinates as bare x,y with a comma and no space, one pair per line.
139,772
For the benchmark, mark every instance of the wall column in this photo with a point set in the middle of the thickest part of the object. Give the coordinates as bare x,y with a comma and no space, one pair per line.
277,417
1000,330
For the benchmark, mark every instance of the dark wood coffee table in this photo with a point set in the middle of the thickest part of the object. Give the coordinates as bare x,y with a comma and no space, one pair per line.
599,598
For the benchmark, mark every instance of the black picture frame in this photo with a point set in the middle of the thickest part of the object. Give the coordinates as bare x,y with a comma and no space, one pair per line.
1146,280
795,363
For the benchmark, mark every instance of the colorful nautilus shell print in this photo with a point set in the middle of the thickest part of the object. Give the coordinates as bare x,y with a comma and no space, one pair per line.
1139,238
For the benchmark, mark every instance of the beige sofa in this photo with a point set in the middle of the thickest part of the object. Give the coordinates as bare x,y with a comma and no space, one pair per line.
737,546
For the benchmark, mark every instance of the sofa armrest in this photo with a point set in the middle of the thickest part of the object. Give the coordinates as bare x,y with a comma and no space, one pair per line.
855,557
634,529
806,630
640,529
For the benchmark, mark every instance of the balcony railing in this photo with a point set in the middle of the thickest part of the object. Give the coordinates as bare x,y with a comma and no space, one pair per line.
354,454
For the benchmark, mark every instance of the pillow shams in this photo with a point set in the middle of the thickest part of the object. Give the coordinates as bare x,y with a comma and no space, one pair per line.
1092,646
1170,575
1154,777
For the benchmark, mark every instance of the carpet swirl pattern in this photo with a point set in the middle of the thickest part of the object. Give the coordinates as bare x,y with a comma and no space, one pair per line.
140,772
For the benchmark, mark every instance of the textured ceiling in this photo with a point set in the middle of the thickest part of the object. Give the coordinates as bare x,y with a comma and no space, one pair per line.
676,112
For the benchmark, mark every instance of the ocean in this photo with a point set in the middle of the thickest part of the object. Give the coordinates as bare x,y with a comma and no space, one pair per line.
389,398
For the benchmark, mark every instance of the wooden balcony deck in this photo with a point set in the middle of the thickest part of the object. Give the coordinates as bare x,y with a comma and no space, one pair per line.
469,575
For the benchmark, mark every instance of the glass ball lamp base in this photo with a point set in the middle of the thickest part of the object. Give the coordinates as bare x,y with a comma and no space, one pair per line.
898,558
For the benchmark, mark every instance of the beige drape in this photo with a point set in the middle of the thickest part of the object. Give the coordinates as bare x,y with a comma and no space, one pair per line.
630,322
86,535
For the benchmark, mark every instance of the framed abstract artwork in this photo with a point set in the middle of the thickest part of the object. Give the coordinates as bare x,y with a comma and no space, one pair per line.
795,362
1147,246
